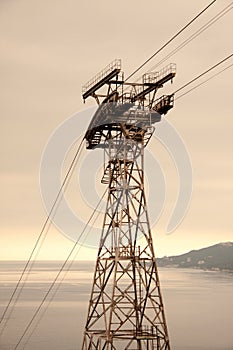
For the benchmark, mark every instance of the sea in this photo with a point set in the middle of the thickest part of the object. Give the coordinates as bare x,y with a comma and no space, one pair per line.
198,306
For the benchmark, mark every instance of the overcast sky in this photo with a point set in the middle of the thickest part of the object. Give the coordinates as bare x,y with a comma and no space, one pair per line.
49,49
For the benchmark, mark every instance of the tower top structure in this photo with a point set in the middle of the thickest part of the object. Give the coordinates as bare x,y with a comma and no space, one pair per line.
122,102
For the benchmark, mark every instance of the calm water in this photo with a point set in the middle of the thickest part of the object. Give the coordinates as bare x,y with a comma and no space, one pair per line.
198,305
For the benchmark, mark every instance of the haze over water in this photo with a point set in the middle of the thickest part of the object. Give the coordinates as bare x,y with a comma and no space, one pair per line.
198,307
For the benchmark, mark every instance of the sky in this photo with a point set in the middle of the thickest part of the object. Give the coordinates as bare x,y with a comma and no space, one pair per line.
49,49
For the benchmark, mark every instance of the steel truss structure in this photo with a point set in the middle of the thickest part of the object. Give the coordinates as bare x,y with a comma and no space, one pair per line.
126,310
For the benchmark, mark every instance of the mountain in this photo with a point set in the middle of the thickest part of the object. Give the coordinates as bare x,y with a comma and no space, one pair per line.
216,257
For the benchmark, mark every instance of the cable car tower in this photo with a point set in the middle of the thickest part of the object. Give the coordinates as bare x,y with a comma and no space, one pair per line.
126,309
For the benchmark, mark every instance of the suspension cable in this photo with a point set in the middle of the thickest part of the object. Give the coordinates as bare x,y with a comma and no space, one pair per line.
170,40
203,82
196,34
48,219
62,279
202,74
58,274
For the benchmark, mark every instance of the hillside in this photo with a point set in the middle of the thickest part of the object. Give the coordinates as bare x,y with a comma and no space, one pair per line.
216,257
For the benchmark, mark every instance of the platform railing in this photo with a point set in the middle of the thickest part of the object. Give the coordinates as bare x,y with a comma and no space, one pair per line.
154,77
116,64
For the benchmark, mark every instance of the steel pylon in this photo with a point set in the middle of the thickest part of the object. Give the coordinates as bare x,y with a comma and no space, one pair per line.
126,310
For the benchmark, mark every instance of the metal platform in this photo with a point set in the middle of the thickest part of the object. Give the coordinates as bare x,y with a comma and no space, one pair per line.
155,77
163,104
155,80
112,116
101,78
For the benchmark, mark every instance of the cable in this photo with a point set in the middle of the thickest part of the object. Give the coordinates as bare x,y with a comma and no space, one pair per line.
191,37
170,40
61,281
203,82
195,35
202,74
43,229
58,274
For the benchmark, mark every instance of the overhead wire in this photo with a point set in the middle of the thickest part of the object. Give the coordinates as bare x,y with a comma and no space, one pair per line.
170,40
62,279
203,73
47,221
214,19
202,29
203,82
58,274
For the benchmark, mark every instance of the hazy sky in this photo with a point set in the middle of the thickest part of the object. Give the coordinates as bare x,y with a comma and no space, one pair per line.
49,49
